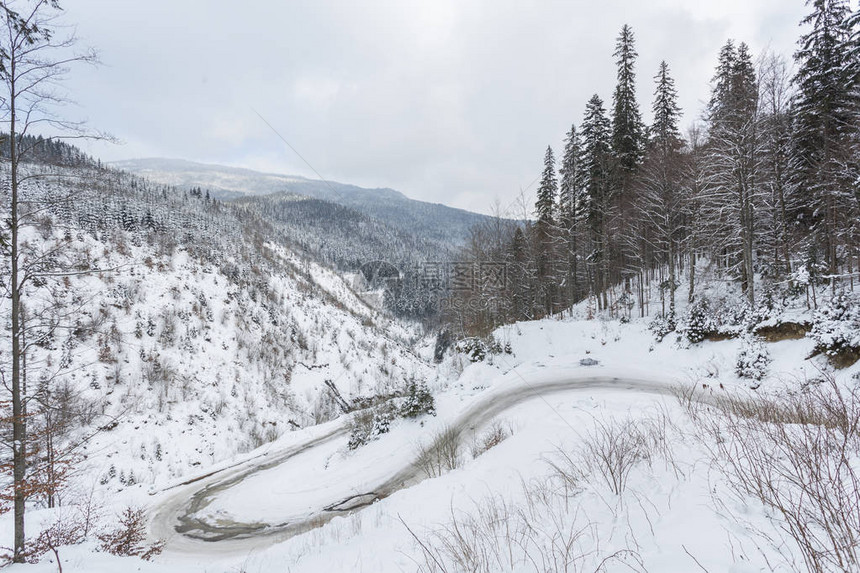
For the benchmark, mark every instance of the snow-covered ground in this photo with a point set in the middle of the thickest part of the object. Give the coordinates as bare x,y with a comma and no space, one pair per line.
676,513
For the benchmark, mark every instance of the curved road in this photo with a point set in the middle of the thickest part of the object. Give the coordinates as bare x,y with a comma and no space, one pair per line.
174,518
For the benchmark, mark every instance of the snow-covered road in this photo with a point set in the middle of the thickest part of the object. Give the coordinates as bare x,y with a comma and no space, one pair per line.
183,516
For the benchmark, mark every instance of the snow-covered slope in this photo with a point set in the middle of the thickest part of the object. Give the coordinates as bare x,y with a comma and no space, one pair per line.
677,510
188,333
202,350
430,221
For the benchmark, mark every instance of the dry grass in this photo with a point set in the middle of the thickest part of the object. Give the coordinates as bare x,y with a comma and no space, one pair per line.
441,455
490,438
613,448
544,534
798,454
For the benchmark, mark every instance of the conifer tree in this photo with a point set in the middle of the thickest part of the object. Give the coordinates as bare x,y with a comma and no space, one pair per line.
547,191
730,202
627,127
627,147
664,131
722,80
545,229
853,51
825,128
662,203
597,177
570,204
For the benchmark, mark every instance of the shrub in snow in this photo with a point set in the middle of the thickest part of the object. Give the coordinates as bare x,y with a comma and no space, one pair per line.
699,322
753,358
418,401
808,275
662,325
796,453
474,348
492,437
129,537
626,302
836,326
442,454
477,349
609,451
368,425
736,318
770,307
61,533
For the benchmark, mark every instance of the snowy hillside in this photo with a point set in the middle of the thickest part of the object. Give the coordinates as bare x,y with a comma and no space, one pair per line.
654,368
259,413
184,334
431,221
342,237
520,483
223,182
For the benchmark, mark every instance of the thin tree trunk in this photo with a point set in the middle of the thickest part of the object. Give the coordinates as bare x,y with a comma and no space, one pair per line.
671,277
19,437
691,294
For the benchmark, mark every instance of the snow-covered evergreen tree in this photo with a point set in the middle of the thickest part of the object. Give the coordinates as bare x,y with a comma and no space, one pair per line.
546,230
825,165
598,185
571,201
733,193
627,127
547,191
628,142
661,206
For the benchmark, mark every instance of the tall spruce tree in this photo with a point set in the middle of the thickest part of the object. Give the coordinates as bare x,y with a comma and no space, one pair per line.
627,127
547,191
733,194
570,204
825,129
627,146
664,133
721,83
853,24
597,177
661,204
853,52
546,229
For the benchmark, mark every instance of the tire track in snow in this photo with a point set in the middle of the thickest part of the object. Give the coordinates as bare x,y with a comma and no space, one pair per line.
174,519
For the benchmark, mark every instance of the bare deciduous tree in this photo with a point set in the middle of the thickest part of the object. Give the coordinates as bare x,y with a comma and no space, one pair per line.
33,63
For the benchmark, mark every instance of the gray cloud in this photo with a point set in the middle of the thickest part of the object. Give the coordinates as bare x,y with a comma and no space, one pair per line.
448,101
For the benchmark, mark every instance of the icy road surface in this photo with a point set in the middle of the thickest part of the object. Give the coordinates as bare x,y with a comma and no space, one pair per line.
278,494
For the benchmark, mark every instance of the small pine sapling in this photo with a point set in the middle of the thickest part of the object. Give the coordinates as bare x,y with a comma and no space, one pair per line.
129,538
419,401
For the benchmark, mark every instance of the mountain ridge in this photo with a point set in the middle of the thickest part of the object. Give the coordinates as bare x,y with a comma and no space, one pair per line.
159,166
433,221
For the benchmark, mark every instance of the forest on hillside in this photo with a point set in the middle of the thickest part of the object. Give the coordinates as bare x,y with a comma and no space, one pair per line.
764,191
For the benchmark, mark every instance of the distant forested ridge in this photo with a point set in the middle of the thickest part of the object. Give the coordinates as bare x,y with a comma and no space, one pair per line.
48,151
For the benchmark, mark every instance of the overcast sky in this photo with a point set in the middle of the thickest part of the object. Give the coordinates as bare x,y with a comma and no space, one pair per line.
451,101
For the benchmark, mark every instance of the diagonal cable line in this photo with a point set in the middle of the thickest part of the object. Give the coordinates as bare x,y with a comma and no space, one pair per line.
296,151
324,180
